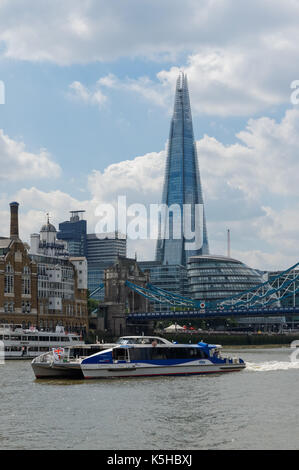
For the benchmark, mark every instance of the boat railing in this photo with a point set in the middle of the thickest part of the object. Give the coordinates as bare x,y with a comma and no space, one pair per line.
47,357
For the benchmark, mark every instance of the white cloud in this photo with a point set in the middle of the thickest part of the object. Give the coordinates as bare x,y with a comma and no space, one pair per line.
242,57
82,31
264,261
229,81
140,179
18,164
263,162
81,93
234,81
156,94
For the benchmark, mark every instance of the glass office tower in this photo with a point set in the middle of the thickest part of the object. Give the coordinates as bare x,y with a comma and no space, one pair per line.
181,187
74,231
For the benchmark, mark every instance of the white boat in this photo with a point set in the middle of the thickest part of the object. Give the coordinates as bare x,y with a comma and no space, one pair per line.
22,343
142,356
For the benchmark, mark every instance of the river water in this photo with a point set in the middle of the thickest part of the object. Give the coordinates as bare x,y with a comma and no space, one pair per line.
253,409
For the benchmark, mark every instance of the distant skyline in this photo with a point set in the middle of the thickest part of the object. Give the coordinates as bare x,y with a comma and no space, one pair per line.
89,89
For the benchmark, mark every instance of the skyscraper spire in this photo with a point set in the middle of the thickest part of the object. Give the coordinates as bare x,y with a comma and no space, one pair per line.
182,184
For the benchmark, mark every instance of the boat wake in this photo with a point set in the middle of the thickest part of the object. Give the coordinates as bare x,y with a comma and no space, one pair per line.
270,366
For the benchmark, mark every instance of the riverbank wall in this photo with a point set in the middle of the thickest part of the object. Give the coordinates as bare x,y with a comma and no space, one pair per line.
233,339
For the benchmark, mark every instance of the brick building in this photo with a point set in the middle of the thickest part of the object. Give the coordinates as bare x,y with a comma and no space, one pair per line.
18,278
40,289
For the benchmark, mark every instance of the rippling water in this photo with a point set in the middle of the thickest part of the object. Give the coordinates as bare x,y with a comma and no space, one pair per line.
253,409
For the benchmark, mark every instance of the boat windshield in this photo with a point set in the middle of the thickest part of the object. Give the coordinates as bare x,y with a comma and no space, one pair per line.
125,341
139,340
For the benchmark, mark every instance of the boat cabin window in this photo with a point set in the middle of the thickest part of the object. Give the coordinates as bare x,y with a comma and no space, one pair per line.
178,353
44,338
166,353
119,354
141,340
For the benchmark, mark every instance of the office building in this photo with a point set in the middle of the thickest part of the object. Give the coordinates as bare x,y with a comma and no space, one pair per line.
182,187
101,254
74,232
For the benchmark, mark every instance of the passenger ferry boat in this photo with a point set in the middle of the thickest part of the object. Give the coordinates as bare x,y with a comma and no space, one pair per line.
142,356
22,343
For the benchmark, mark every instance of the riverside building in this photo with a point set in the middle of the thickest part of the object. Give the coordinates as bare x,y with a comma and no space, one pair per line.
213,278
18,277
62,282
100,252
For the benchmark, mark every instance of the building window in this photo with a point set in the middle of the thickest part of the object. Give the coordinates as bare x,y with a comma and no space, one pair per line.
26,307
26,281
8,307
9,279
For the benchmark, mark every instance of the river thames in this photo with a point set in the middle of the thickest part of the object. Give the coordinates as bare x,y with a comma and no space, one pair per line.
253,409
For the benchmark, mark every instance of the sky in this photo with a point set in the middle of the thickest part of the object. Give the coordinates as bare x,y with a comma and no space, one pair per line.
89,92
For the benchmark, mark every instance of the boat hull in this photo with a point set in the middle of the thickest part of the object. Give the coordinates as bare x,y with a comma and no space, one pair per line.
98,372
46,371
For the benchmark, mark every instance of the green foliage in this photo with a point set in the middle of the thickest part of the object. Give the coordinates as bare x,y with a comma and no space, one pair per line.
92,304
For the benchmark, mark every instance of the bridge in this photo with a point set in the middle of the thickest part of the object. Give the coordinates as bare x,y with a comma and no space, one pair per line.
264,299
205,314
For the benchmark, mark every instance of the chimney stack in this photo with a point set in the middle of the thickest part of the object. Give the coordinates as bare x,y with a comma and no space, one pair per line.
14,220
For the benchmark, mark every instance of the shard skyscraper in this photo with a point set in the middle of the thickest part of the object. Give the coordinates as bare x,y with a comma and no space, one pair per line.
182,188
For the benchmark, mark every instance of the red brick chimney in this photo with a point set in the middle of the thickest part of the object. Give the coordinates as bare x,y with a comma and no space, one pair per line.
14,220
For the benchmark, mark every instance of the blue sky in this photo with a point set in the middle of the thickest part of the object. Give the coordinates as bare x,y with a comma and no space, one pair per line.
89,95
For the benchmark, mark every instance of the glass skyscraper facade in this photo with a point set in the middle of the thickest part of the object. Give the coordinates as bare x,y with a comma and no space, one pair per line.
172,278
101,254
182,187
74,231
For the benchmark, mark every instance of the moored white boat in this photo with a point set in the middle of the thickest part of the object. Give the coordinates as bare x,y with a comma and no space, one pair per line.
20,343
140,358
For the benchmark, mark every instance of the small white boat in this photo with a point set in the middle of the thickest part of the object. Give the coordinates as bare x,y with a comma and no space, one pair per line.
20,343
141,356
